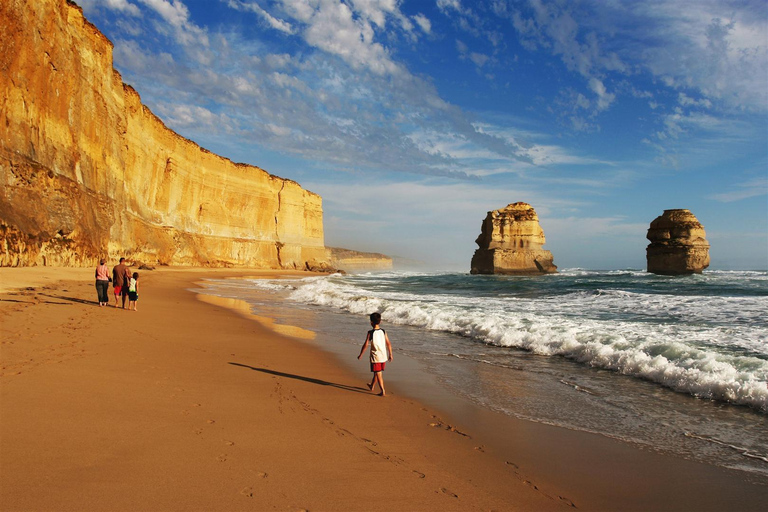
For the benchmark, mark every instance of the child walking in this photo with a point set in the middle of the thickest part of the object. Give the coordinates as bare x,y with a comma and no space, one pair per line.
381,352
133,291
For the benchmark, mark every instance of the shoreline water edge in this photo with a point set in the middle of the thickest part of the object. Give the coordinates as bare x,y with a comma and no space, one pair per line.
616,353
219,394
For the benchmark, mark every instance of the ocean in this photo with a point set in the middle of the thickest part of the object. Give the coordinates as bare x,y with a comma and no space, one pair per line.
677,365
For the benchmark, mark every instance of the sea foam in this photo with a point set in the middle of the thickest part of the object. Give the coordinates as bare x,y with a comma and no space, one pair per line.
711,347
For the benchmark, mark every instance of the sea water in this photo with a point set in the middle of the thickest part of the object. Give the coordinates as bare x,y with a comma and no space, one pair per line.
671,364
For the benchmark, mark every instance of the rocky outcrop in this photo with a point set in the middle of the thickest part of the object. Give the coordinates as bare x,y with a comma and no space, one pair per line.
510,243
349,260
87,171
678,244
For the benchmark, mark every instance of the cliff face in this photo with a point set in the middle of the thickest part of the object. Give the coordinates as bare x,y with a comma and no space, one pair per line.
678,244
346,259
87,171
510,243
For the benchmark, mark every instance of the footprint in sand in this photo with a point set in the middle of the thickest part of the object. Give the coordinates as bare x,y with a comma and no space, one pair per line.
448,493
248,491
449,428
222,457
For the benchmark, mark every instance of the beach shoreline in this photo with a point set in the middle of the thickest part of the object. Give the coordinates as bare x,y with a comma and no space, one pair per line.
191,404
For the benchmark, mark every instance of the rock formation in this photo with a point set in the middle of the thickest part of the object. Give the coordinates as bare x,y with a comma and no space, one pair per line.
510,243
87,171
678,244
346,259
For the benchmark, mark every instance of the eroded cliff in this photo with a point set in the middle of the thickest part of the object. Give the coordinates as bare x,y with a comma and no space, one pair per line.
87,171
510,242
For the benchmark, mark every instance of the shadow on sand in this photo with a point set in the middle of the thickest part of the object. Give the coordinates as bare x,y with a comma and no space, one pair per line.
302,378
70,299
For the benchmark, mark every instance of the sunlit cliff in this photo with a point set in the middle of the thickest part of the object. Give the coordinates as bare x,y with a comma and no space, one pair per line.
87,171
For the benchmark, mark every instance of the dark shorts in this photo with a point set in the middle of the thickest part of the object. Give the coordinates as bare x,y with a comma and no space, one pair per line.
134,296
377,367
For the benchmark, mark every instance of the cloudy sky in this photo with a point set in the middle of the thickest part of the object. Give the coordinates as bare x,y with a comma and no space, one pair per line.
414,118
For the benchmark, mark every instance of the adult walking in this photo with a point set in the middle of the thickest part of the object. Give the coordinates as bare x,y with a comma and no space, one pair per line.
102,283
120,276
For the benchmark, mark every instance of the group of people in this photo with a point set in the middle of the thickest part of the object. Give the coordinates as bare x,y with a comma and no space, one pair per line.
124,283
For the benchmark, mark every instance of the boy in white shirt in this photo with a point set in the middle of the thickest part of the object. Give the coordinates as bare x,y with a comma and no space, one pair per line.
381,352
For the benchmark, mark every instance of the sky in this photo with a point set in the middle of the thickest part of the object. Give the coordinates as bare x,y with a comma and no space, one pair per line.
413,119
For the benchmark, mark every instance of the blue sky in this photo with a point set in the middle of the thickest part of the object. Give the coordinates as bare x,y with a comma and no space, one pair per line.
413,119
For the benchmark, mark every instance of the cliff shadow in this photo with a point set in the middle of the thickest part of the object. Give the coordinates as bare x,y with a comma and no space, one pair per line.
303,378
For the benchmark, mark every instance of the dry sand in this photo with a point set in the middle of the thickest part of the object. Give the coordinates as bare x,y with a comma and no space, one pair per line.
189,405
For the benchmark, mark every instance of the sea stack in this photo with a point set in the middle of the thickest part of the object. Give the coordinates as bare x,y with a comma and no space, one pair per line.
678,244
510,243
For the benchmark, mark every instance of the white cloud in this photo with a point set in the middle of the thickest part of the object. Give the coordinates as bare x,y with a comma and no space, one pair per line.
176,14
753,188
333,27
272,21
376,10
423,22
713,56
181,115
604,98
173,11
719,48
123,6
478,59
538,154
446,5
685,100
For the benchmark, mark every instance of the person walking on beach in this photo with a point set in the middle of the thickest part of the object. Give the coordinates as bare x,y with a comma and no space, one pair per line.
120,276
381,352
102,283
133,291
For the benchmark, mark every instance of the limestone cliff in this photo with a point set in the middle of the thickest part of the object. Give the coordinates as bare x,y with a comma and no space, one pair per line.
349,260
510,243
86,170
678,244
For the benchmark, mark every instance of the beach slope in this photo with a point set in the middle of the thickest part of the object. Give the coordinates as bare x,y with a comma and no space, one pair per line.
184,405
187,404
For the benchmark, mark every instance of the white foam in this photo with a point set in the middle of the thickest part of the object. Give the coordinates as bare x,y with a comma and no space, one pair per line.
710,347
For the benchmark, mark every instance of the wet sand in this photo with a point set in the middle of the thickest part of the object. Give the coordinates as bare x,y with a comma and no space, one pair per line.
191,404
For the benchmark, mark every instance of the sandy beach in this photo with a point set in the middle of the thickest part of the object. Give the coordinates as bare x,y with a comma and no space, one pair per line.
191,404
